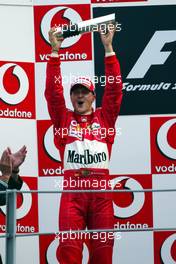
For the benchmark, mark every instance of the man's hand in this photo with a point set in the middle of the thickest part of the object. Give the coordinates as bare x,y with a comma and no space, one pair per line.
6,166
108,38
55,39
18,157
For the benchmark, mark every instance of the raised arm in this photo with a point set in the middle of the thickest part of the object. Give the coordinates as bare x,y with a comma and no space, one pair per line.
54,89
113,90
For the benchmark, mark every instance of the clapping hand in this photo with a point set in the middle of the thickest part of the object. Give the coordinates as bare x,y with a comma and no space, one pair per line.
6,165
18,157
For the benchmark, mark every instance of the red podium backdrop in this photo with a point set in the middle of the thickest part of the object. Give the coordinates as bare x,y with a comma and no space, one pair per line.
144,152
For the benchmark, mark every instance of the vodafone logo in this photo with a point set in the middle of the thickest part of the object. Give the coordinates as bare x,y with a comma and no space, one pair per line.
48,154
64,13
138,198
24,209
166,255
76,48
52,256
51,252
162,139
49,145
22,92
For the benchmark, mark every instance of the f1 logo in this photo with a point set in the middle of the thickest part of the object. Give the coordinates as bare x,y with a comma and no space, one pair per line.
152,54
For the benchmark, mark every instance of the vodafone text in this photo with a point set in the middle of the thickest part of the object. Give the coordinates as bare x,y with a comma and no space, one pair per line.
20,228
51,171
66,56
15,113
148,87
85,183
171,168
129,225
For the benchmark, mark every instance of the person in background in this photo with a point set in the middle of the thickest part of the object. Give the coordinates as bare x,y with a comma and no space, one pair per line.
9,167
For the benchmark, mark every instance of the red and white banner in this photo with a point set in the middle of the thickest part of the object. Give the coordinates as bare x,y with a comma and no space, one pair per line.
76,48
144,152
132,210
48,155
17,92
165,247
163,144
27,209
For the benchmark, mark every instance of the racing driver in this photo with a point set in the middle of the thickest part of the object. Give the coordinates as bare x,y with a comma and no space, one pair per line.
85,151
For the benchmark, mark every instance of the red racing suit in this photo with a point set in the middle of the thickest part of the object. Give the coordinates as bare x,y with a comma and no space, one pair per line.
85,143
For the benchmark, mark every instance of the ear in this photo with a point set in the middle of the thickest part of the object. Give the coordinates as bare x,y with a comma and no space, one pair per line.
93,98
71,98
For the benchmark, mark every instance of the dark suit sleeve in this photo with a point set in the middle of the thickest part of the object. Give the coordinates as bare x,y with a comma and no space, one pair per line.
15,184
12,184
2,195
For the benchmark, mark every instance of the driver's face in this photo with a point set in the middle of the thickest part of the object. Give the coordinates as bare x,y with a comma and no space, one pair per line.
82,100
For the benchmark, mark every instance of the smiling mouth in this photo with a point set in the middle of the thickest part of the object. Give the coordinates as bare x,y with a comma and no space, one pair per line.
80,103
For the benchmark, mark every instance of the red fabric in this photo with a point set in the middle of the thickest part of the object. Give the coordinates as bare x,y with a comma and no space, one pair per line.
61,116
86,82
78,210
81,210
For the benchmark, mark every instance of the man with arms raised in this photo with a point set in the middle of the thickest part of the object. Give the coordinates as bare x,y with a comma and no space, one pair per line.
85,154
